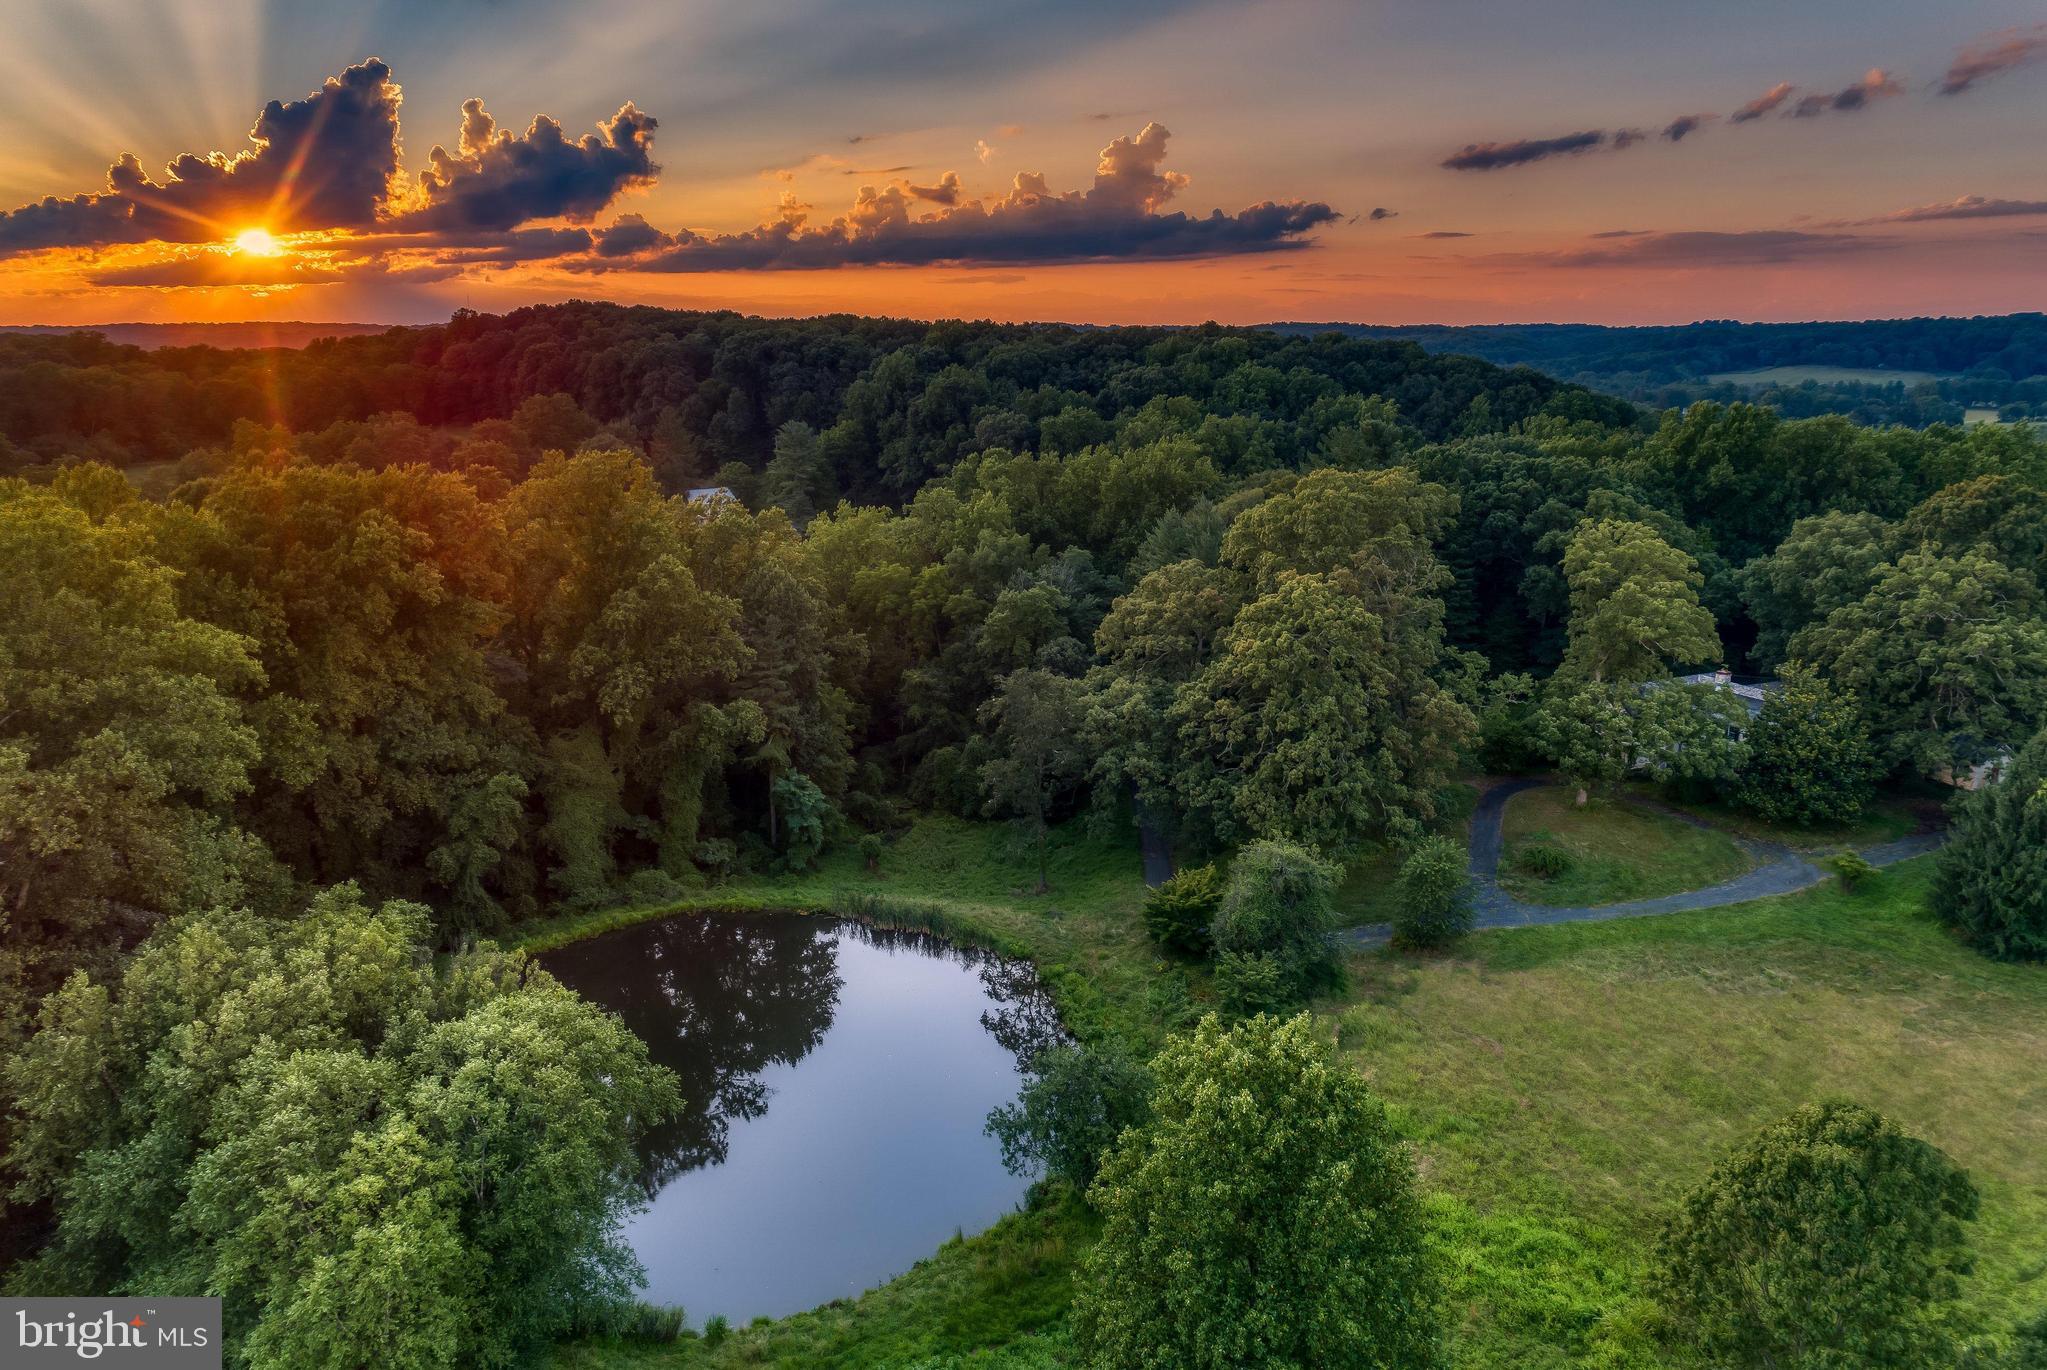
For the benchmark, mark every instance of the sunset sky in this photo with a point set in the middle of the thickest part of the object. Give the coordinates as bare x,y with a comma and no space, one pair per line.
1601,160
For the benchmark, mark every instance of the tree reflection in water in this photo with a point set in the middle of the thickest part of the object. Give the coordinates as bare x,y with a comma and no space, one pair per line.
720,998
716,1000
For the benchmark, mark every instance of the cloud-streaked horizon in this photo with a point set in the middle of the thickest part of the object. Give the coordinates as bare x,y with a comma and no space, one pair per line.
790,162
331,163
1121,216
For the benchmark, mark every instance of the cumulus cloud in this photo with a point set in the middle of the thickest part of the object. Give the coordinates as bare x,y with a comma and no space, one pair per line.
1963,207
1993,55
497,180
1121,216
1762,104
1383,213
1676,130
983,151
1493,156
1876,83
326,161
330,162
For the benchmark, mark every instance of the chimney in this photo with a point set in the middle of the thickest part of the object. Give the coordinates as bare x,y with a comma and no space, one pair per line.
1722,676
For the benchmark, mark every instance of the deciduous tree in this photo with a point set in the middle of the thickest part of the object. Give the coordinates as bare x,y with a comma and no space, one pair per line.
1831,1238
1265,1219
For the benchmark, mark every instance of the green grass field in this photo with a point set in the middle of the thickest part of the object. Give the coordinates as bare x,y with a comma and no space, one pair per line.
1822,375
1560,1085
1618,850
1895,814
1564,1085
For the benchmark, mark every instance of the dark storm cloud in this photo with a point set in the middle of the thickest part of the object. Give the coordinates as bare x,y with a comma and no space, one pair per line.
1993,55
497,180
1120,217
1684,124
1493,156
322,162
1762,104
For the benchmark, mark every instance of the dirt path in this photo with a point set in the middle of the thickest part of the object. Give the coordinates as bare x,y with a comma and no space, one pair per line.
1779,870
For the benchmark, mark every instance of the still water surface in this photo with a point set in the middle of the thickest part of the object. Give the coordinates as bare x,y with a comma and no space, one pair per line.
835,1079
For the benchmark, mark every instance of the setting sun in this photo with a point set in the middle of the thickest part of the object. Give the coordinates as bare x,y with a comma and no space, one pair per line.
257,242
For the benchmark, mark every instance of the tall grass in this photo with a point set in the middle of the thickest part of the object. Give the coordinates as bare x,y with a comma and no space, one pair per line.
937,918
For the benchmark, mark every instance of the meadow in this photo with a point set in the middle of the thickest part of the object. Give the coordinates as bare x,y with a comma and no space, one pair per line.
1766,376
1561,1086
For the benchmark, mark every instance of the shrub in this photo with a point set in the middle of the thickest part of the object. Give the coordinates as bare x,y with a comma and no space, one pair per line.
1850,868
1544,860
1992,885
1076,1103
1266,1216
1832,1238
653,887
1277,905
1432,898
871,847
716,1329
1179,912
1250,983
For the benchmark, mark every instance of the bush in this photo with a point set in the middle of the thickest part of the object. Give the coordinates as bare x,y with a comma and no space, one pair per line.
1850,869
1250,983
1831,1239
1432,898
1266,1216
1992,886
870,851
1179,912
1544,860
654,887
1075,1105
1277,905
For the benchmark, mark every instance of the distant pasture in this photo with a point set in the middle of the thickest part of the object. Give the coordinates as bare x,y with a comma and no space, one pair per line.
1767,376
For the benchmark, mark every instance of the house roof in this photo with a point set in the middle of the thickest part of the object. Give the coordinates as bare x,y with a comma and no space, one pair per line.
1750,690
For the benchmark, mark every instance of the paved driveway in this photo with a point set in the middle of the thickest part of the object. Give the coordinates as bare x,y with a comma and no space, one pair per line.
1779,870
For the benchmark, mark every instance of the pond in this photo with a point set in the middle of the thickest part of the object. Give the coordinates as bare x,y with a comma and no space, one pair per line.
835,1080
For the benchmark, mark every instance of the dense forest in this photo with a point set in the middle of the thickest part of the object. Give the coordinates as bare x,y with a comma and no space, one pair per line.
338,656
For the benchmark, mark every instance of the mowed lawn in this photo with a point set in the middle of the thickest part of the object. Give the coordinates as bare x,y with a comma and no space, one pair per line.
1564,1085
1618,850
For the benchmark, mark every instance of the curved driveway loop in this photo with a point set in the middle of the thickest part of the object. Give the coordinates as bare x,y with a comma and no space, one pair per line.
1780,870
